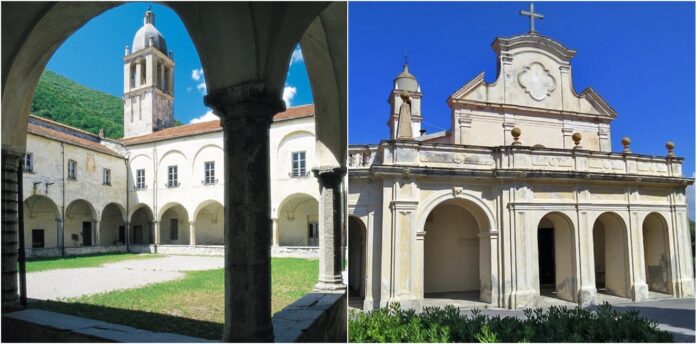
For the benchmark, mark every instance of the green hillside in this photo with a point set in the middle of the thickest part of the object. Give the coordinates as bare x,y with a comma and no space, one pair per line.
63,100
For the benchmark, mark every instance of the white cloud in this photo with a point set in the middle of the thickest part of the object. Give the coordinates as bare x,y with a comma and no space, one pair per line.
197,74
296,55
208,116
289,93
202,87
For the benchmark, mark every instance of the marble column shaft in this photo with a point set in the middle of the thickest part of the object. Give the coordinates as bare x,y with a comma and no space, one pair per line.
246,112
10,228
330,224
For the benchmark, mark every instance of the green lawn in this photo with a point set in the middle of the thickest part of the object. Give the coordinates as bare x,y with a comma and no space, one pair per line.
86,261
193,305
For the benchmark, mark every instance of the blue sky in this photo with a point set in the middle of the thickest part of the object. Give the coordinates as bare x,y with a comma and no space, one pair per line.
638,56
93,56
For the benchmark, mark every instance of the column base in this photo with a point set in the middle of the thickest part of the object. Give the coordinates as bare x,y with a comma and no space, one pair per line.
684,288
587,296
370,304
336,286
640,291
522,299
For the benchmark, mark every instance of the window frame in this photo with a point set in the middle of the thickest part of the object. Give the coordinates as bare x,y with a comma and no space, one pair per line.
106,176
172,176
140,184
28,168
209,173
299,158
72,169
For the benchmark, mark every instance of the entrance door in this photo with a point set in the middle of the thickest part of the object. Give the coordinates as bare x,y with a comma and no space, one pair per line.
547,266
86,233
137,234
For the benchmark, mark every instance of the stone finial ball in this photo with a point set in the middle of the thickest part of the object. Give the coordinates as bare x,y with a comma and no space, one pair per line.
626,141
669,145
577,137
516,132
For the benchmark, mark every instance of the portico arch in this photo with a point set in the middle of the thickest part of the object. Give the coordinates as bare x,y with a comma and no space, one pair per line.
611,255
79,224
174,225
298,221
113,225
141,225
658,264
475,226
41,222
555,246
357,257
209,220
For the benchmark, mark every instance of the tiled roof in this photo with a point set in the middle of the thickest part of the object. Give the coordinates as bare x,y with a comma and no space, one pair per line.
70,139
211,126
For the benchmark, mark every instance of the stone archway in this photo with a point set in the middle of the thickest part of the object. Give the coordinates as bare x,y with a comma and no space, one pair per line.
611,255
41,223
113,225
357,257
141,226
451,252
658,267
174,225
556,257
209,221
80,226
298,221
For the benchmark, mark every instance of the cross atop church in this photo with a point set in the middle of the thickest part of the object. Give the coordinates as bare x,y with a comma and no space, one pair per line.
532,15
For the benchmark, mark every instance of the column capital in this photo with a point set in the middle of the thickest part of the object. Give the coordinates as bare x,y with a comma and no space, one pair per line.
329,176
249,100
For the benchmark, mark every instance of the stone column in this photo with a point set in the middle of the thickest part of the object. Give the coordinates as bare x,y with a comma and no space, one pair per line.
246,112
330,221
156,230
10,228
275,232
192,233
97,233
60,239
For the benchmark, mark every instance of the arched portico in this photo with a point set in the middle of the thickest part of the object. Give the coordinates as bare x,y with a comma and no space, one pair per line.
209,220
142,225
113,225
80,224
173,225
298,221
41,222
556,274
477,226
612,271
658,262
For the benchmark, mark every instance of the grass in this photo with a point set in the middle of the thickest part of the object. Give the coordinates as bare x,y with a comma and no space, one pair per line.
85,261
193,305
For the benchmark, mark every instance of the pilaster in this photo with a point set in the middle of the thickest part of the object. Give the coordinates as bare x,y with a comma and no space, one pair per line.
192,233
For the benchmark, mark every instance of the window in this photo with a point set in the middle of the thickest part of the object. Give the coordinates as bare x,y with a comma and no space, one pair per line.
106,176
140,179
28,162
172,176
121,235
174,226
298,165
37,238
209,173
72,169
313,230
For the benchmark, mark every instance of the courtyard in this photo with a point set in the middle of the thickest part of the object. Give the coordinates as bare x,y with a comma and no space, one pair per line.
159,293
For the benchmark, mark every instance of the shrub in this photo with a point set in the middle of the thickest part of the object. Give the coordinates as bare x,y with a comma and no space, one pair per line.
557,324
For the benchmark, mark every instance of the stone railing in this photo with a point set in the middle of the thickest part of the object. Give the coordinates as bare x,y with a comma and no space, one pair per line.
362,156
511,158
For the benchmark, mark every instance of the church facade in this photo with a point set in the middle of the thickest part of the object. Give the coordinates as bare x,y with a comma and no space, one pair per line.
524,197
161,187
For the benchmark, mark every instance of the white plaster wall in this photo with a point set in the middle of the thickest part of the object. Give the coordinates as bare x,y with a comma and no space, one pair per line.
177,213
293,220
210,225
657,261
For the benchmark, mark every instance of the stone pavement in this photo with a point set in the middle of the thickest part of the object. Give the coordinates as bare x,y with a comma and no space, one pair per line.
66,283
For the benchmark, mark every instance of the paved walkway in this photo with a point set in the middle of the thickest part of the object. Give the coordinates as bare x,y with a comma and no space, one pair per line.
66,283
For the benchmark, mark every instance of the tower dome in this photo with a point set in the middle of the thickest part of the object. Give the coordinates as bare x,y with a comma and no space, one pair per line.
405,81
149,32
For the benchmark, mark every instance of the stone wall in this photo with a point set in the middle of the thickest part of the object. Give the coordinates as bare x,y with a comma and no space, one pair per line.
315,317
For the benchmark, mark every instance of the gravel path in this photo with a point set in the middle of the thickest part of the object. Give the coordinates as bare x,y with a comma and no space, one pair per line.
65,283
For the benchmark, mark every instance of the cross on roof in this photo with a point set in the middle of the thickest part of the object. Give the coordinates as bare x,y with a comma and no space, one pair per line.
531,14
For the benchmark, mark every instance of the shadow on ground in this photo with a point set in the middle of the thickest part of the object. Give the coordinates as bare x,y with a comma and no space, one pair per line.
155,322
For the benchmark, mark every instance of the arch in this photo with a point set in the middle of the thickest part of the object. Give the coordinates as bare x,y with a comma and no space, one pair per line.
141,225
555,250
41,222
357,257
79,226
174,224
209,219
611,255
210,145
168,153
293,134
141,156
112,225
657,254
481,211
298,220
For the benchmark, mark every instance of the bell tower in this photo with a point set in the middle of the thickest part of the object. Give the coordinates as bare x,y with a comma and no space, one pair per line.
148,82
406,90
